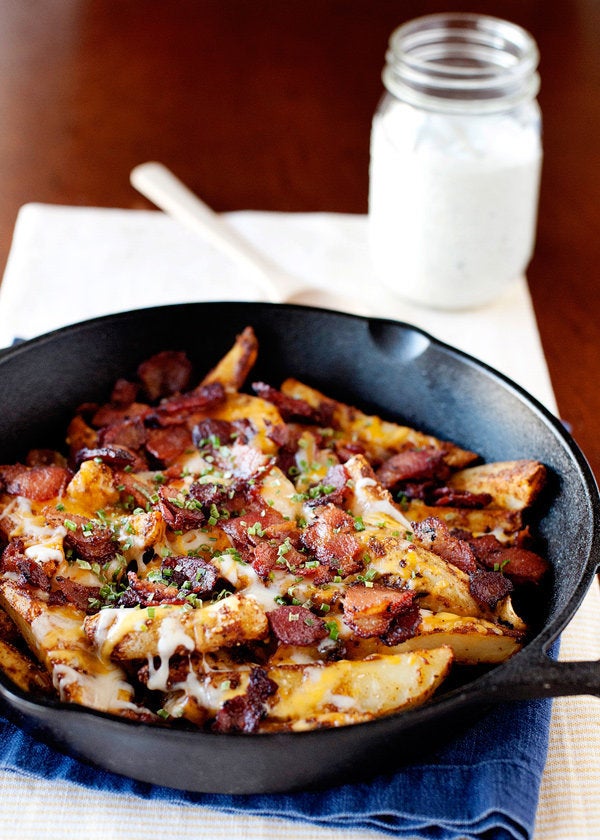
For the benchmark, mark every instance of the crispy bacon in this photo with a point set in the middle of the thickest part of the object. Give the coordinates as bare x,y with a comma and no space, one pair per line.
246,531
124,392
369,611
180,514
413,465
194,574
203,398
331,541
334,487
244,712
72,592
165,373
115,413
291,409
146,593
434,535
403,626
276,551
167,444
112,456
88,538
489,587
451,497
211,433
38,483
520,564
130,434
296,626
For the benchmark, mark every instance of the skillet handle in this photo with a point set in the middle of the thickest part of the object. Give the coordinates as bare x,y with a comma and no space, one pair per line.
548,678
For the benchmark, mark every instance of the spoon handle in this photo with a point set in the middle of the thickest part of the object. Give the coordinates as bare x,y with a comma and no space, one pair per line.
157,183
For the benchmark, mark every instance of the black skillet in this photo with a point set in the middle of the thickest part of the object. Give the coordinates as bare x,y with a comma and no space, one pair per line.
385,367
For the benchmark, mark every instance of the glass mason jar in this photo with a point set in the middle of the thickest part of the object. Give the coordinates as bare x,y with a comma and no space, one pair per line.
455,160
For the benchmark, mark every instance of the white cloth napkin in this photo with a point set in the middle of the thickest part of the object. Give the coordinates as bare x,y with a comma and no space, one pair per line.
68,264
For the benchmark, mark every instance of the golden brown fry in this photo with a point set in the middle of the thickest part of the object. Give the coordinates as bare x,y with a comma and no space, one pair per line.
231,371
55,635
134,633
504,524
23,671
380,437
513,485
327,694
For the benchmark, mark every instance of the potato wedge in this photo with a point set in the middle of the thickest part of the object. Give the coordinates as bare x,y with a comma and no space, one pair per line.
55,635
326,694
23,671
231,371
504,524
513,485
134,633
380,436
472,640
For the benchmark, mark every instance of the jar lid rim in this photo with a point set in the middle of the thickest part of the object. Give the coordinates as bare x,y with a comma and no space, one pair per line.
444,55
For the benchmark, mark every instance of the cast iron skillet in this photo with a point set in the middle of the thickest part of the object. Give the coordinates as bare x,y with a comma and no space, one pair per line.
385,367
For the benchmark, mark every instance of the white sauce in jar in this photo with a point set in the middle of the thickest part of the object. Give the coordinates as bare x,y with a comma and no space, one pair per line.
454,177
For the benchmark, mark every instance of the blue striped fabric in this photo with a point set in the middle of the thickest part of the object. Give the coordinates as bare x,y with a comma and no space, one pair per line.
482,786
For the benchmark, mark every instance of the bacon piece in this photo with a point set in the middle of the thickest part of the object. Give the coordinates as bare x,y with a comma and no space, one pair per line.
124,392
11,554
296,626
450,497
336,480
291,409
403,626
211,433
203,398
244,712
145,593
180,515
520,564
348,449
130,434
369,611
413,465
246,531
195,574
133,491
272,554
38,483
112,456
230,498
111,413
167,444
434,535
165,373
72,592
332,542
489,587
89,539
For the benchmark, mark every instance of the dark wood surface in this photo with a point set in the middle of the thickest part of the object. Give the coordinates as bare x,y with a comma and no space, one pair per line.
267,104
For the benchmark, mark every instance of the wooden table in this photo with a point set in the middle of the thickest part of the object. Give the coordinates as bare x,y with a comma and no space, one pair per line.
267,105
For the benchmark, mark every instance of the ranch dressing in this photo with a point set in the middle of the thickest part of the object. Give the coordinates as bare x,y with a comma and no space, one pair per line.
455,160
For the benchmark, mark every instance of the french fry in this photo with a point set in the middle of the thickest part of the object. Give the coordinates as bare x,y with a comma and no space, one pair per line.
380,436
232,370
513,485
133,633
